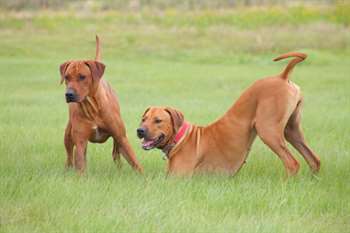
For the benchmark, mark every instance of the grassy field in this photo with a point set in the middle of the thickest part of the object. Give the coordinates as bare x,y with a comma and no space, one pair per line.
200,63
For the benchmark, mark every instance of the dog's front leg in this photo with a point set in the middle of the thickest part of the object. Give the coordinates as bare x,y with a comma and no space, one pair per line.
80,156
69,145
179,167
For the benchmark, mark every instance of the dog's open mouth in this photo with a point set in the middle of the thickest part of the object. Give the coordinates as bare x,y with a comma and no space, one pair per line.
152,143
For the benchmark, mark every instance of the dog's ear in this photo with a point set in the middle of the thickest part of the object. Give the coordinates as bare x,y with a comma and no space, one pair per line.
97,69
146,111
177,117
63,68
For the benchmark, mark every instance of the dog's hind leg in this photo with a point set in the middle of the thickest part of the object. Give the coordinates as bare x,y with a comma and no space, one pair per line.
270,124
273,138
69,145
294,135
129,154
116,154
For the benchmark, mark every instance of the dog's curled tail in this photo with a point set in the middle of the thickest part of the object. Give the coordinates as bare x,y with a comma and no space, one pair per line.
299,57
98,49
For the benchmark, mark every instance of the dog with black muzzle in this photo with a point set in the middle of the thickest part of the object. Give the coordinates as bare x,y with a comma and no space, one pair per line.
94,113
270,108
166,123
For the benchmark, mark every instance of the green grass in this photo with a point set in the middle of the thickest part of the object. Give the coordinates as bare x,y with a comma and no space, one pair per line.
200,70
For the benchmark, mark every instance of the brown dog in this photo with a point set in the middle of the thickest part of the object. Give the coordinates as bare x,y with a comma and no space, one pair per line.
270,108
94,113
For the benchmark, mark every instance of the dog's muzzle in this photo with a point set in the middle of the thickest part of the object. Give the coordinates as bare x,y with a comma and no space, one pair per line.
71,96
141,132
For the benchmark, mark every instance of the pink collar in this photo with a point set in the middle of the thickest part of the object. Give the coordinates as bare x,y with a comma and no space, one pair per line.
184,127
180,135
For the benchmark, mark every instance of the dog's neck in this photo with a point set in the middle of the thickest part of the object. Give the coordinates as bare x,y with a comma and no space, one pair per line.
179,136
89,107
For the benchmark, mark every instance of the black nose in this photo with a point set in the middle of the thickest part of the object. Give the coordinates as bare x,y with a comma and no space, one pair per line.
141,132
70,96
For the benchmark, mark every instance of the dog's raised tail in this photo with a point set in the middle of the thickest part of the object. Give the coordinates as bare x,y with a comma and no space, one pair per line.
98,49
299,57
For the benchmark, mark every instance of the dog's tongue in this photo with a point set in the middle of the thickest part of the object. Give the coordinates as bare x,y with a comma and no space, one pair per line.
147,143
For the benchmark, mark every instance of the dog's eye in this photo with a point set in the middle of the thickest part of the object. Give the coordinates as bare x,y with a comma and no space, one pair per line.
66,77
157,121
81,78
143,120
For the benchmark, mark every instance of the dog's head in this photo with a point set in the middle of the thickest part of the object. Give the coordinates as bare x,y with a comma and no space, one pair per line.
81,78
158,126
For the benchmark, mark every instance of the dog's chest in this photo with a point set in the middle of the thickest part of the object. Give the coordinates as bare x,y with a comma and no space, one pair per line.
98,134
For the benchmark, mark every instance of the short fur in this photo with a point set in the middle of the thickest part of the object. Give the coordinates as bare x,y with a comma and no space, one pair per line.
270,108
95,115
